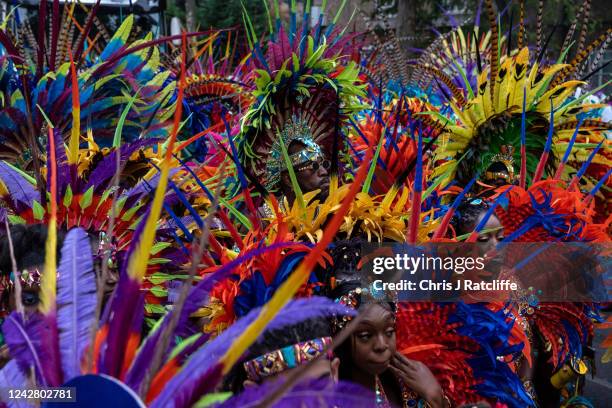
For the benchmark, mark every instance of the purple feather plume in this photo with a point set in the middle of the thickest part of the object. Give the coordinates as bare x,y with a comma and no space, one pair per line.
105,170
24,339
144,187
182,389
22,192
76,300
307,393
125,301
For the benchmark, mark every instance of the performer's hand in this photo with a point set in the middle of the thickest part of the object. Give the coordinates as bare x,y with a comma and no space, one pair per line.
419,379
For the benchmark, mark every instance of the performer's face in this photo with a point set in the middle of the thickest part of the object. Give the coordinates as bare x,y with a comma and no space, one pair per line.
373,341
495,231
311,175
30,294
314,176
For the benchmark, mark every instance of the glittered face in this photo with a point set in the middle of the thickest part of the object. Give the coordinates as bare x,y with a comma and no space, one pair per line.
304,154
106,251
491,234
373,341
312,171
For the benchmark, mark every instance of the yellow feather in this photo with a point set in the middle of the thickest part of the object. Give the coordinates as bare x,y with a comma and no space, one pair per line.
75,133
389,197
546,77
484,93
517,79
501,85
561,93
48,281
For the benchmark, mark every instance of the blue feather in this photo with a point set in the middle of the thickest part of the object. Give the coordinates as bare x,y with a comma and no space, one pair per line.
600,183
570,146
588,161
551,128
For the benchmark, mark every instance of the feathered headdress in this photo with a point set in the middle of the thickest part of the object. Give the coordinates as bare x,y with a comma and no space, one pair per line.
300,75
78,91
517,101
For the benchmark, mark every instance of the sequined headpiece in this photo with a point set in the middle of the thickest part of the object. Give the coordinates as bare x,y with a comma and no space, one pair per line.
277,361
28,278
506,157
295,130
353,300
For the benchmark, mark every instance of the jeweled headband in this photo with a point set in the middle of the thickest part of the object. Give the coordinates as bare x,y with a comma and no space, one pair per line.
27,278
294,130
353,300
277,361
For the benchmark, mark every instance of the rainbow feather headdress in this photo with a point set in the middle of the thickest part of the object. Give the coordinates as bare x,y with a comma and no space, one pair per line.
301,72
517,100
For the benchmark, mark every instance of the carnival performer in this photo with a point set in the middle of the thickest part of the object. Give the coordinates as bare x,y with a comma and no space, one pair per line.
369,356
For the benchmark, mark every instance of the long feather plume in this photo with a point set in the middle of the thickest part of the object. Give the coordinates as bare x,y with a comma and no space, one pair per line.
417,191
75,133
523,170
292,284
48,284
539,25
76,304
586,14
544,158
49,276
521,33
494,46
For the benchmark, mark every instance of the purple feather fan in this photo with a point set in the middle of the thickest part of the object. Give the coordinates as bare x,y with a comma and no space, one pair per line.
144,187
307,393
105,170
25,342
76,300
22,192
185,387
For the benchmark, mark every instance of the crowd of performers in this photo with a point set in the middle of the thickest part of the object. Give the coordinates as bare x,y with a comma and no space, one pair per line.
185,216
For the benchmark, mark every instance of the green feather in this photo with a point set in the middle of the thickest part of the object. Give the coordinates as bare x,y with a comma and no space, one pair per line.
119,128
368,180
294,182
